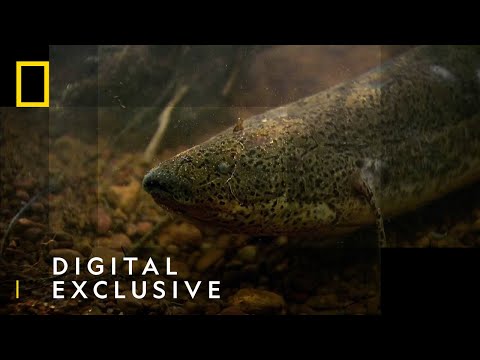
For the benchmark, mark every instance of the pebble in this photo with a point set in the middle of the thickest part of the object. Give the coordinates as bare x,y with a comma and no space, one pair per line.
130,229
240,240
248,253
164,239
185,233
176,310
423,242
172,249
63,236
33,233
22,195
320,302
26,183
63,244
125,197
460,229
232,310
281,241
223,241
118,214
255,301
107,254
38,207
282,267
206,245
102,220
191,307
26,223
83,246
301,309
212,309
129,305
115,242
68,254
209,258
144,227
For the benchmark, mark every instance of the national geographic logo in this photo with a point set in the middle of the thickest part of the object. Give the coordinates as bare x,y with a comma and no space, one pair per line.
25,74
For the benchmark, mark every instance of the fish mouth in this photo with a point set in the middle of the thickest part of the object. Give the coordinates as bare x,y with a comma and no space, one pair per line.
167,189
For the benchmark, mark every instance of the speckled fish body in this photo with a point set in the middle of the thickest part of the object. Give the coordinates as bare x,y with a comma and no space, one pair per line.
409,130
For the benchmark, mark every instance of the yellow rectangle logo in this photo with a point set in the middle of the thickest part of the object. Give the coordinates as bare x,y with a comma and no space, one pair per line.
46,84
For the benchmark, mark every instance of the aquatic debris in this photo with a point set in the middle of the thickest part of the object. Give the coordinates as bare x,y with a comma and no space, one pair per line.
163,121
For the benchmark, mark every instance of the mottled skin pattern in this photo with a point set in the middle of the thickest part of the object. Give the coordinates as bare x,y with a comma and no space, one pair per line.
409,131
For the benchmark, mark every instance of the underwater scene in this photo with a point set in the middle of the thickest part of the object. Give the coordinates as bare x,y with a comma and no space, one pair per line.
234,179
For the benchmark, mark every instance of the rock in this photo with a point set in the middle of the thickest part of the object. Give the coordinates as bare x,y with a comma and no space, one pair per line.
212,309
101,219
130,229
125,197
115,242
33,233
282,267
38,207
118,214
248,253
281,240
255,301
144,227
26,183
460,229
107,254
51,244
27,223
172,249
83,246
185,233
223,241
232,310
240,240
320,302
206,245
191,307
176,310
423,242
164,239
210,257
68,254
22,195
129,305
63,236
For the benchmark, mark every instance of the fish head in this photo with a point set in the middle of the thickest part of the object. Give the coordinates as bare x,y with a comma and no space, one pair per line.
267,178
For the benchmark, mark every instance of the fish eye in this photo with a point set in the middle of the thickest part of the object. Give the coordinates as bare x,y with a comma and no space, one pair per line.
223,168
